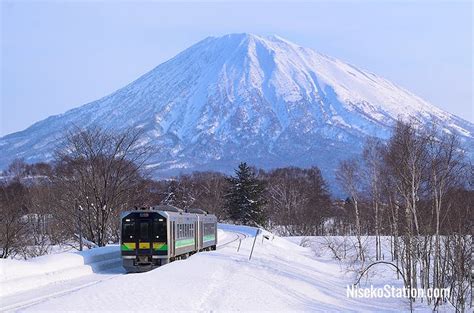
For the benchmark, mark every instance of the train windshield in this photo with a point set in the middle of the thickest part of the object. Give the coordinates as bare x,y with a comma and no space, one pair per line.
128,229
159,229
145,227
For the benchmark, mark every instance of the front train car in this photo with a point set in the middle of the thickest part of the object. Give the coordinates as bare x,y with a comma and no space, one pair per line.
151,237
144,240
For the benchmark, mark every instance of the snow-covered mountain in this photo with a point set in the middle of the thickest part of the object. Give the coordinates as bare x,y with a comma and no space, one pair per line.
243,97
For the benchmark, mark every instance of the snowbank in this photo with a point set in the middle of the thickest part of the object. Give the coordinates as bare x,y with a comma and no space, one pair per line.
16,275
221,235
246,230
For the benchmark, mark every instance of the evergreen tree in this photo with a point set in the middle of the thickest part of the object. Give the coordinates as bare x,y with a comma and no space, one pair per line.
245,199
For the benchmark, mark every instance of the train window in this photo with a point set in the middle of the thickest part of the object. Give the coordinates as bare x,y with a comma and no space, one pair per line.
209,229
128,230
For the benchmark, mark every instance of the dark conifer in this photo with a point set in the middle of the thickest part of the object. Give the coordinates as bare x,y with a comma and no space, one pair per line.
245,199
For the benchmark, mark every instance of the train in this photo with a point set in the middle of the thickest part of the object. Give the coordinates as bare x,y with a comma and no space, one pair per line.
154,236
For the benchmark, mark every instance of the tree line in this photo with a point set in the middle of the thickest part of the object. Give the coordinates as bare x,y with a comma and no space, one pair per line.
97,174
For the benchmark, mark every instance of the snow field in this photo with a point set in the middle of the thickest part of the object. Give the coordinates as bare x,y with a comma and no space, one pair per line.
281,276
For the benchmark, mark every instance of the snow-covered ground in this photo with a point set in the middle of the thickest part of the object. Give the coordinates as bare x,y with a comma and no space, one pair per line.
17,276
281,276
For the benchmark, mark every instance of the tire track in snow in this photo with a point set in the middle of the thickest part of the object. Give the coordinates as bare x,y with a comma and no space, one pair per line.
216,283
219,278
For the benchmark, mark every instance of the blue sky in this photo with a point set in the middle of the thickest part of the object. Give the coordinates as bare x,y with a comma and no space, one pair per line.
57,55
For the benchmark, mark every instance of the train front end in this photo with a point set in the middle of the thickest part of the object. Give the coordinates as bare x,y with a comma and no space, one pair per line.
143,241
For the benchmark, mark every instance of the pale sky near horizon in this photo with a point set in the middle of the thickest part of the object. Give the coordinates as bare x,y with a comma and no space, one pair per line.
57,55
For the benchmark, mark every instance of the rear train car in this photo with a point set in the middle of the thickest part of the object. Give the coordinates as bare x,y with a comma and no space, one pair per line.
151,237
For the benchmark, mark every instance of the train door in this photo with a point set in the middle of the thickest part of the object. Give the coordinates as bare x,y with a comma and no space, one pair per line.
144,230
196,236
201,234
172,239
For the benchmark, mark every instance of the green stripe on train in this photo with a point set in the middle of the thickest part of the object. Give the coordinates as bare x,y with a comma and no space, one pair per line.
184,243
163,248
209,238
156,246
127,247
160,246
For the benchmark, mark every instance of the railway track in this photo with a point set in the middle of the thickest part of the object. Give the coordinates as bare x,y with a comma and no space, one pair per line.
239,236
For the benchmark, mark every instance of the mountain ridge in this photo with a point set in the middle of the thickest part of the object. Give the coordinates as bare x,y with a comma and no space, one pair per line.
244,97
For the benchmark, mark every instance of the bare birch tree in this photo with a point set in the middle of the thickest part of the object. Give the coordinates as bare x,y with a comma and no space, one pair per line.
348,175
